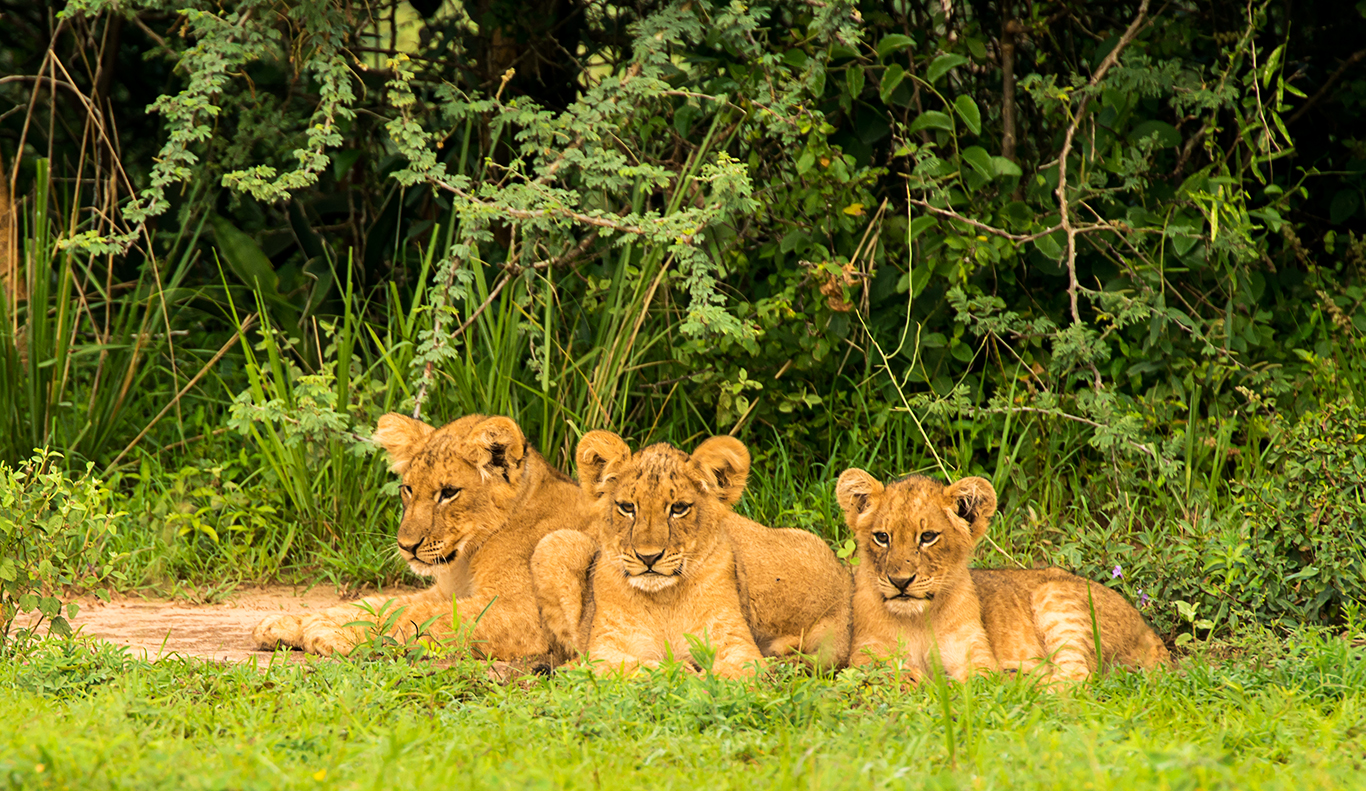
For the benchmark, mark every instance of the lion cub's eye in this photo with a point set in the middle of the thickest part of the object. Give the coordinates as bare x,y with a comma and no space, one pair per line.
680,509
881,539
449,493
626,509
928,538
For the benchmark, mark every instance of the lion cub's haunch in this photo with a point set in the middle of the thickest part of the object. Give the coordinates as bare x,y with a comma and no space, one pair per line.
666,557
912,587
476,500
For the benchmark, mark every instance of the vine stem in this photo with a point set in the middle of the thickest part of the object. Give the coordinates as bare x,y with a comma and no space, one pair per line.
1063,206
1019,238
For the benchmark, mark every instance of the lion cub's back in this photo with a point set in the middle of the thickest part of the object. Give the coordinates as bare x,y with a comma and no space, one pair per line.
796,587
1010,597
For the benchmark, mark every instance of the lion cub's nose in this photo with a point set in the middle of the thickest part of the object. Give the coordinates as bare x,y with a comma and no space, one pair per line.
412,548
901,582
649,560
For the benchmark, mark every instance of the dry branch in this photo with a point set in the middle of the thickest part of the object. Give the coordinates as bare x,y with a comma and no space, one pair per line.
1063,208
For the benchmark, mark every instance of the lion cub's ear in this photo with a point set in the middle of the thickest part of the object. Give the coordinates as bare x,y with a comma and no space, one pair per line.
496,447
401,437
600,454
974,500
724,464
857,492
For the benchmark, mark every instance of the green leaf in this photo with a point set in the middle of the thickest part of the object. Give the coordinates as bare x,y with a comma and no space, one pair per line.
1051,245
60,627
891,78
1269,68
320,273
941,66
980,161
303,231
794,240
1004,167
921,224
805,161
967,110
244,258
1345,204
1183,237
7,570
892,43
853,80
932,119
1167,136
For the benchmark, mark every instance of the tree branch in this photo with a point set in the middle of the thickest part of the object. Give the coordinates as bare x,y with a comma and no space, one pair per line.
1063,208
1355,58
1019,238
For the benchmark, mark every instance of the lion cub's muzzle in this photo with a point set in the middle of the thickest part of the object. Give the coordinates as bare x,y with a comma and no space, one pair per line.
906,595
651,572
425,555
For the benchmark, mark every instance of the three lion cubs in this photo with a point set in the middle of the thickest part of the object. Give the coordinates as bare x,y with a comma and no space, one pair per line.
646,552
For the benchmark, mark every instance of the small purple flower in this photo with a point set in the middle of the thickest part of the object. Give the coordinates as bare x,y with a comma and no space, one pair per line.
1142,598
1116,573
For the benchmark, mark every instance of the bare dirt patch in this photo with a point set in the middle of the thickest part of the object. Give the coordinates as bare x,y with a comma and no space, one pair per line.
156,628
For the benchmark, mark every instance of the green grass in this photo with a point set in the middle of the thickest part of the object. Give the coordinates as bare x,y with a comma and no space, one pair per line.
1283,714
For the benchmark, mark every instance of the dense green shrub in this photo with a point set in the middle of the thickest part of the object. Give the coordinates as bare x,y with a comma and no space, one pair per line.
1304,556
54,531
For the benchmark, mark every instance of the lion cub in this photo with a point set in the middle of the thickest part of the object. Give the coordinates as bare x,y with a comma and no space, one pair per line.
476,500
913,590
665,556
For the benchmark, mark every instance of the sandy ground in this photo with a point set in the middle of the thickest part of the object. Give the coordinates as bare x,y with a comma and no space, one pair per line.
154,628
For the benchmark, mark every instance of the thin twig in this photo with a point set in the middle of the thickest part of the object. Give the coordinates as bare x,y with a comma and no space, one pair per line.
1058,413
1061,191
1014,237
536,214
1356,57
487,301
182,443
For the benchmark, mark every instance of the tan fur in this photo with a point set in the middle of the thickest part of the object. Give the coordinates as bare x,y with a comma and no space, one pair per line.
791,591
476,500
914,593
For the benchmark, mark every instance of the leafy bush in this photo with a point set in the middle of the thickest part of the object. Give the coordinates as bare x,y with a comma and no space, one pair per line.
1304,558
53,533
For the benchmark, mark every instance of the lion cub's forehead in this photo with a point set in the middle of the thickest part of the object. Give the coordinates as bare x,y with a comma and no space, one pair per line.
440,456
660,471
911,499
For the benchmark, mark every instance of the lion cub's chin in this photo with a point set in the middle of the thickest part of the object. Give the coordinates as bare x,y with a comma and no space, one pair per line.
906,608
421,569
651,583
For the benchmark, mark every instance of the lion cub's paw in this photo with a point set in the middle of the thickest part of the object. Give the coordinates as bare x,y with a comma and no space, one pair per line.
279,631
328,639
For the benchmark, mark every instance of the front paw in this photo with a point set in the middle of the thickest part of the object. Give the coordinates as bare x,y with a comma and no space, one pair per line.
329,639
279,631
